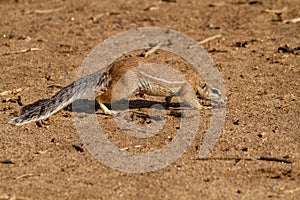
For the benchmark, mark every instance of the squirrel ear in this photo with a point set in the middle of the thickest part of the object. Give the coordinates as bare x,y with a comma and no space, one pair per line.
203,85
202,90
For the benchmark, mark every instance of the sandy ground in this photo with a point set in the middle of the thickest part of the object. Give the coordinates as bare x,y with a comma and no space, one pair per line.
257,156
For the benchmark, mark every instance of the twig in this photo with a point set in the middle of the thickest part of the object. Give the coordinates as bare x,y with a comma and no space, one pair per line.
6,161
274,159
264,158
226,158
295,20
23,51
24,176
9,92
39,11
277,11
292,190
217,4
55,86
210,38
151,50
151,8
124,149
169,1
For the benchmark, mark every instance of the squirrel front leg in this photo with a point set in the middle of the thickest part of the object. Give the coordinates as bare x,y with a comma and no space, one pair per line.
105,109
187,94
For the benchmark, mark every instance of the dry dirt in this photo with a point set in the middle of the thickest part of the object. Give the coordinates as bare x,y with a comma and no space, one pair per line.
258,154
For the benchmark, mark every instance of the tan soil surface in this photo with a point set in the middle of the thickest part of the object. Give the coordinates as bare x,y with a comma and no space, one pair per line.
257,56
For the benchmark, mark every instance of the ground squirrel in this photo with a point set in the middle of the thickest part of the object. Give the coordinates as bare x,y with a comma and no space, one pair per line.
104,82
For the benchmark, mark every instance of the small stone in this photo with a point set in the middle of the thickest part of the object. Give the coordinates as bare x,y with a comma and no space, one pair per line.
77,148
54,140
245,149
236,122
260,135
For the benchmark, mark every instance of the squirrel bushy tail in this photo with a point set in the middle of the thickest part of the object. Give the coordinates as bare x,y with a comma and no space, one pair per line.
44,108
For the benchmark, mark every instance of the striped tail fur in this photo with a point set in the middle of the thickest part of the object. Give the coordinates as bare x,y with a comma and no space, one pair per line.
42,109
